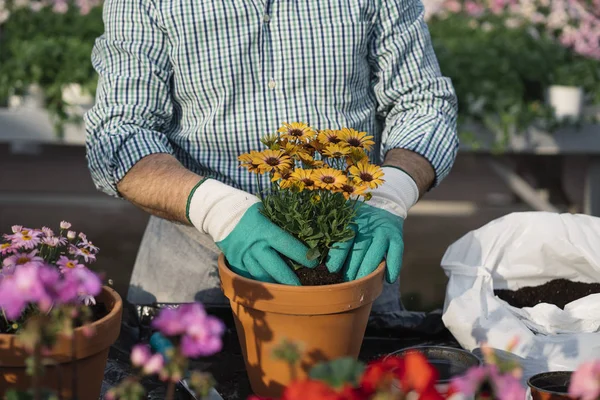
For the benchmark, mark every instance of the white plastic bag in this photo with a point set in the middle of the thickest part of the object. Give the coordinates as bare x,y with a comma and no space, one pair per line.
526,249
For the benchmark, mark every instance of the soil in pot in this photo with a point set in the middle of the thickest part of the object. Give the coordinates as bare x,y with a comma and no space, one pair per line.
318,276
559,292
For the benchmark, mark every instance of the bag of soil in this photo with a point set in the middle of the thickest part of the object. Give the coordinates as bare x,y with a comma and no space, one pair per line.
531,259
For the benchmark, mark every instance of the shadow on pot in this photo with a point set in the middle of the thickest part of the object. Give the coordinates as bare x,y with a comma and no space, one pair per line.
243,304
550,385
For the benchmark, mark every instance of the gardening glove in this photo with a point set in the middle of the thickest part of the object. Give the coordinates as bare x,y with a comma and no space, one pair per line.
378,227
252,244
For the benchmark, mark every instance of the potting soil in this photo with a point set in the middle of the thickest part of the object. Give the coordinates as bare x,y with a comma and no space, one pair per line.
318,276
559,292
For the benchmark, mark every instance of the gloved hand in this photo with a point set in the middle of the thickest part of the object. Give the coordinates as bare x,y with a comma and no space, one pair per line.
252,244
378,230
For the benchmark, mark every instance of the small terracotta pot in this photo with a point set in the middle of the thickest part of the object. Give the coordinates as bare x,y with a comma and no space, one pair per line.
91,354
328,321
550,385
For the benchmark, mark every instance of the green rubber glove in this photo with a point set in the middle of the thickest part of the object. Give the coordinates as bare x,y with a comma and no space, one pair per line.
252,244
255,245
378,229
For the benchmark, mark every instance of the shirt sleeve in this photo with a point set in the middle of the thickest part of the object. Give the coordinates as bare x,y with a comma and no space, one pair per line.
133,105
419,104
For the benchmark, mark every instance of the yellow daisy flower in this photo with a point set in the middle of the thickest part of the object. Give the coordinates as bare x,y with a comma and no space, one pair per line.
247,161
349,188
284,178
336,150
309,160
288,147
328,136
328,178
296,131
272,161
355,156
356,139
367,174
304,177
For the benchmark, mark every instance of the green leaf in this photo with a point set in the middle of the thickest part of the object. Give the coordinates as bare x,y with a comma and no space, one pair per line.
313,253
338,372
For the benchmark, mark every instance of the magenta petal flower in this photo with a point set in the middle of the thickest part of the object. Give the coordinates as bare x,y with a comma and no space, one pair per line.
47,232
509,388
140,354
585,381
24,287
65,264
169,322
26,239
6,248
154,364
24,259
469,383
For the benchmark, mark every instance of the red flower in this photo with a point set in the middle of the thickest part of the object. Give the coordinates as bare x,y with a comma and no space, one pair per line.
411,373
310,390
381,374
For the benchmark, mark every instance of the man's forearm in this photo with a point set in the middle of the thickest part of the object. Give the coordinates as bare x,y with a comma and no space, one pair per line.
159,185
415,165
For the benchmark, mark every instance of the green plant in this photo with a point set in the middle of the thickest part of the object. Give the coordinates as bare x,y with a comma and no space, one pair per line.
51,50
501,71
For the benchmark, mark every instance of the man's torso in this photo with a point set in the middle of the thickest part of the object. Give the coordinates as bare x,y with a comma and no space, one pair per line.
243,67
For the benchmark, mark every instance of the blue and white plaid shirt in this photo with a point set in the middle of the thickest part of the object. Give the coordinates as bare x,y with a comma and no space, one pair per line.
204,80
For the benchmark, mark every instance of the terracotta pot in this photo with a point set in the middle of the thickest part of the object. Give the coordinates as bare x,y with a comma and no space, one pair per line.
91,354
328,321
550,385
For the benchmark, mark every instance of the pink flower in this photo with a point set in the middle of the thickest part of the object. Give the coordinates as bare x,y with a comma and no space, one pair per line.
36,6
87,299
65,225
504,386
6,248
65,264
86,244
22,288
585,381
154,364
47,232
26,238
168,322
51,241
453,6
23,259
140,354
71,235
85,253
60,7
474,9
203,332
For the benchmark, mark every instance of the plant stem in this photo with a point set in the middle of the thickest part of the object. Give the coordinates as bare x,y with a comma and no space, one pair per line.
170,391
35,379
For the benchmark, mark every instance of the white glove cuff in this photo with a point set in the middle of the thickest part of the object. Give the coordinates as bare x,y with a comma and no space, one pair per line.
398,193
216,208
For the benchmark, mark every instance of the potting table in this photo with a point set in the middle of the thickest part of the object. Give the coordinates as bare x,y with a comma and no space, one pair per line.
583,141
227,367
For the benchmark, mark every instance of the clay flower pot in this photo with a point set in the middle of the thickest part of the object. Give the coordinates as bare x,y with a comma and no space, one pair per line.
550,385
328,321
91,354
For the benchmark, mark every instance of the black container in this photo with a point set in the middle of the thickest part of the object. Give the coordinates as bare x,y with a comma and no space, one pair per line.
448,361
550,385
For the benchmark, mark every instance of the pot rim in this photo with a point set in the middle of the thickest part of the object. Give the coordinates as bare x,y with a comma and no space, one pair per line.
299,289
424,346
300,300
542,374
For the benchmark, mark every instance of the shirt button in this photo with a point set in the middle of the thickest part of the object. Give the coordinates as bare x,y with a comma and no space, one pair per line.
272,84
266,18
